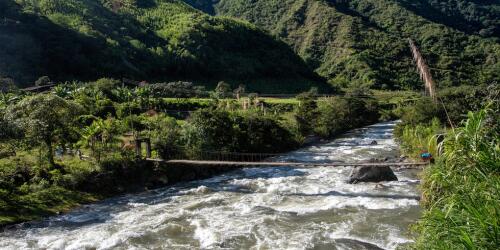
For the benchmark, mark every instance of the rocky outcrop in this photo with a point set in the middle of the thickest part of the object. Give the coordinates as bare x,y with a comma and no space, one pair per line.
371,174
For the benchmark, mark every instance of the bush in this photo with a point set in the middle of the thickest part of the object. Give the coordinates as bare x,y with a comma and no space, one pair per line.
461,99
177,90
420,138
7,84
222,90
209,129
42,81
305,112
421,112
337,115
164,133
106,85
185,104
261,134
216,130
452,105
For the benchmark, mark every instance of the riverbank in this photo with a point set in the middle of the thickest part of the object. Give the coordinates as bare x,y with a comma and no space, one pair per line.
460,192
89,185
125,177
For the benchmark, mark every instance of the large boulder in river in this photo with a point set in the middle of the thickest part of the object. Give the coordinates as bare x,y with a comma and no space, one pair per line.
371,174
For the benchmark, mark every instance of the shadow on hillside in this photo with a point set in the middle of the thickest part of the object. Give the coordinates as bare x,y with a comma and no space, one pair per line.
429,12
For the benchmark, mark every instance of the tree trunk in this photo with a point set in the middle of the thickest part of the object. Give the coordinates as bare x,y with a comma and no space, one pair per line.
50,154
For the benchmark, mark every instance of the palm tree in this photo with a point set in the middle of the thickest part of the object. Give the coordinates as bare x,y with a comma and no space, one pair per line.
89,136
122,94
61,91
143,95
97,136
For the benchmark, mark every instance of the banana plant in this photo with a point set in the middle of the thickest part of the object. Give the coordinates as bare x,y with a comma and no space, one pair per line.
98,136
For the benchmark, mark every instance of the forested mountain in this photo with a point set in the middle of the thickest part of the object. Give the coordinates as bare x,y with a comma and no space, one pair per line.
142,40
365,42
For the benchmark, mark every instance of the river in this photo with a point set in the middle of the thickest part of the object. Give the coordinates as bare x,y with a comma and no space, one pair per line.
252,208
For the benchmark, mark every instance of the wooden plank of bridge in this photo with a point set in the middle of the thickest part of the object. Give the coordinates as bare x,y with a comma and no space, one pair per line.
291,164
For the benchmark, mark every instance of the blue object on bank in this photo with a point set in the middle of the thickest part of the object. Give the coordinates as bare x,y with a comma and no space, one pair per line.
426,155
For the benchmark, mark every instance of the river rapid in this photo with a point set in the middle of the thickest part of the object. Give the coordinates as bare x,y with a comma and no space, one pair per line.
251,208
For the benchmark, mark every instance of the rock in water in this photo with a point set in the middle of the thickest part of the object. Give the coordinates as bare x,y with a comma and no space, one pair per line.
371,174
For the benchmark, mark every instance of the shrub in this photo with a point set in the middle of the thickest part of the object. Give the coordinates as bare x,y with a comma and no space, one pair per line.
164,133
421,112
336,115
7,84
416,139
209,129
106,85
452,105
261,134
305,112
216,130
178,90
223,90
42,81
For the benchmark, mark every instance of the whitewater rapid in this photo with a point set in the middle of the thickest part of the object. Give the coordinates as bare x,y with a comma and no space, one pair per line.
251,208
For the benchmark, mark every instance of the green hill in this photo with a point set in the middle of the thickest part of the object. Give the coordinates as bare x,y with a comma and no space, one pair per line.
365,42
143,40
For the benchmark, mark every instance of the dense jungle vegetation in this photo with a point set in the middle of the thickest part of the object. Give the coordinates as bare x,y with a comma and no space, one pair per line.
365,42
75,143
142,40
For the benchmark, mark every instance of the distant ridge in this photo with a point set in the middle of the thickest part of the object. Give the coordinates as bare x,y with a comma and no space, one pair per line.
364,42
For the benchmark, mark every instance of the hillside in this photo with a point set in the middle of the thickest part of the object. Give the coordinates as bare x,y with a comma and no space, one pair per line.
365,42
144,40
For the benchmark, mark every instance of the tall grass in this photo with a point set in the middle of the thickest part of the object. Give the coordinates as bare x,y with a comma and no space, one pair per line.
423,69
461,193
416,139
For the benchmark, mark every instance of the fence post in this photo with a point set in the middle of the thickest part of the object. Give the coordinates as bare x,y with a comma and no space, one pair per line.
148,148
138,149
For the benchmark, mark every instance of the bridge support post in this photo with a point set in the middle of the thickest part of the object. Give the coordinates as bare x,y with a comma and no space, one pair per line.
148,148
138,147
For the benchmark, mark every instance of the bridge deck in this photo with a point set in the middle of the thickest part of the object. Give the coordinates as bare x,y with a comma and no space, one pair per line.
293,164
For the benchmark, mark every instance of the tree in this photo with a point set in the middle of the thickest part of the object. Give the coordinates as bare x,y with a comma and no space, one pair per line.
143,95
177,89
45,119
7,84
333,116
106,86
257,133
209,129
43,81
164,133
305,113
98,136
223,90
9,136
240,91
423,111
